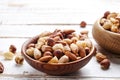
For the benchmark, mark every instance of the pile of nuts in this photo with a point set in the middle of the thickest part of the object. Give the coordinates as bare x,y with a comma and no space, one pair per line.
60,46
111,21
11,53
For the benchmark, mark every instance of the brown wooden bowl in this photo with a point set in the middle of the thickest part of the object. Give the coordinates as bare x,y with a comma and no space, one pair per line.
106,39
55,69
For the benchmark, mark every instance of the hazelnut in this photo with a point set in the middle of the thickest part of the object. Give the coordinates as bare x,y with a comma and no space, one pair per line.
87,50
12,48
58,53
19,59
105,64
83,24
100,57
1,67
106,14
50,42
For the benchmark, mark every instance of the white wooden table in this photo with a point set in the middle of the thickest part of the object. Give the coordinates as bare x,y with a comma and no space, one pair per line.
22,19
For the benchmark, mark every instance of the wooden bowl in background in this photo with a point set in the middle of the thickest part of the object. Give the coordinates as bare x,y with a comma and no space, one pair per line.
108,40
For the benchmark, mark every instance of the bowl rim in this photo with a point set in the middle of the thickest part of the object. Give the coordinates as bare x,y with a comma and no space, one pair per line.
24,47
110,32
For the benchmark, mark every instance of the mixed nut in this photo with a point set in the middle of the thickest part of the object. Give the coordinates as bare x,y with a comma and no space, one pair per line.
60,46
103,60
111,21
9,55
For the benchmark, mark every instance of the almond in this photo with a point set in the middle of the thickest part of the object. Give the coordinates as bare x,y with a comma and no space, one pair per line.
45,58
71,55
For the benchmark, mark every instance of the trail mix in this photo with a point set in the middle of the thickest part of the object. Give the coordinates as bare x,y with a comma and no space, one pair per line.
60,46
111,21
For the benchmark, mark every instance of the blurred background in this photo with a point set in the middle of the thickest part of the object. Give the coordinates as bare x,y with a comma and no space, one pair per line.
45,12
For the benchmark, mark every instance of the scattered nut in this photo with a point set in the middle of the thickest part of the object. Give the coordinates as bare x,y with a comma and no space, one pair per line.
105,64
8,55
83,24
1,67
19,59
100,57
12,48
